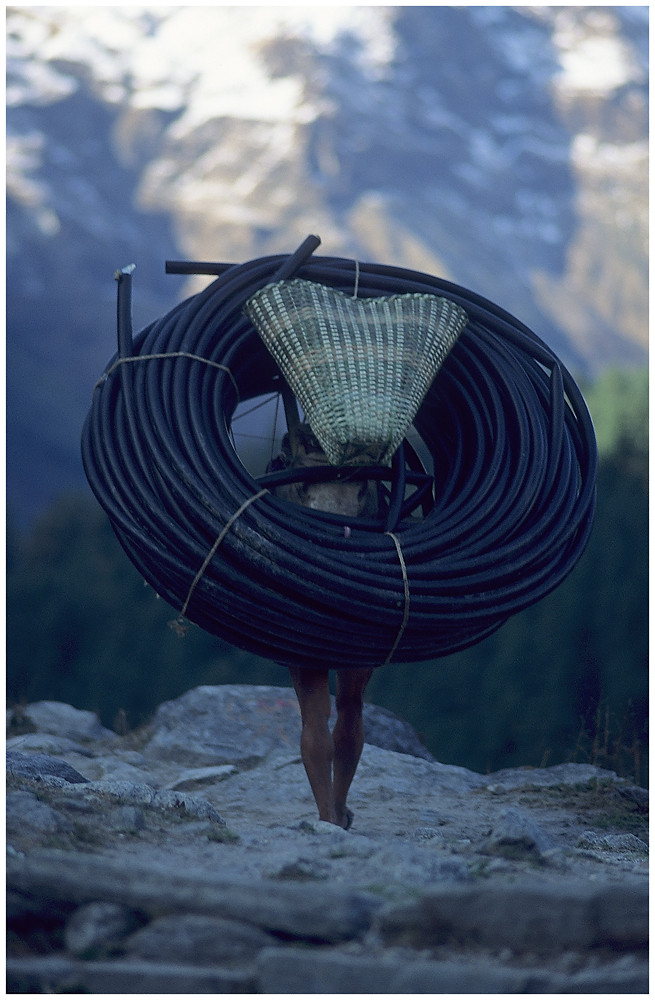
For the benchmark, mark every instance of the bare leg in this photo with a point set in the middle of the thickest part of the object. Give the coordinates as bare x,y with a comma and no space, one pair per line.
321,751
316,746
348,736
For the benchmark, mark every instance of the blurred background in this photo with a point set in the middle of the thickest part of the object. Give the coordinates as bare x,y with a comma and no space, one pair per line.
503,148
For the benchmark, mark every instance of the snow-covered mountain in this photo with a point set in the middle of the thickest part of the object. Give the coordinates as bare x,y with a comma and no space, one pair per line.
504,148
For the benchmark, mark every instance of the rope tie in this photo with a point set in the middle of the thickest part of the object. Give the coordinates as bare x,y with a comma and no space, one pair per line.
172,354
356,279
403,625
179,624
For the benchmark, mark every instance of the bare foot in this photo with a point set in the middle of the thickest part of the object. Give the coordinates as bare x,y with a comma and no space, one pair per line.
346,820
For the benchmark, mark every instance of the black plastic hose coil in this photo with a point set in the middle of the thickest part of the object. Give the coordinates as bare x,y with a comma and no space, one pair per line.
506,513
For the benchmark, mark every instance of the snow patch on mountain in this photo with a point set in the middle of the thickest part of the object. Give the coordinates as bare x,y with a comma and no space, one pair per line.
592,57
140,55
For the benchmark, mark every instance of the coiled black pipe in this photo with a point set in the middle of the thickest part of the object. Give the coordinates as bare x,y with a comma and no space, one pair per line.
511,510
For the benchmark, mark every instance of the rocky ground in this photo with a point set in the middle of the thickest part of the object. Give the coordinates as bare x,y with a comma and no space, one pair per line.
187,858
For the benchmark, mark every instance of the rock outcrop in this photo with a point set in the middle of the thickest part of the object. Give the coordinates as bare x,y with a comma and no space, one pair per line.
187,858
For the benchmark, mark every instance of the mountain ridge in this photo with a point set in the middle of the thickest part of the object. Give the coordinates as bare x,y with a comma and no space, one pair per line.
502,148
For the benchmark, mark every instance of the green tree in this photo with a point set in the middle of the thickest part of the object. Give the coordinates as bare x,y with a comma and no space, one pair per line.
619,403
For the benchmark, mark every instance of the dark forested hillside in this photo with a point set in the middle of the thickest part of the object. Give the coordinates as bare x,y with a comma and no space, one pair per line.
564,680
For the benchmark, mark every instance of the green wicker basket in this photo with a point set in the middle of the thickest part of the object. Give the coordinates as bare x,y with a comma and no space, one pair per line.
360,368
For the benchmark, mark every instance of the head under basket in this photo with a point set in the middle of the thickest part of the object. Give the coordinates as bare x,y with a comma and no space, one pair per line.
360,367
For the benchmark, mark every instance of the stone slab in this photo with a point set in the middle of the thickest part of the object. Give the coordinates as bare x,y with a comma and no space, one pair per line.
529,916
314,912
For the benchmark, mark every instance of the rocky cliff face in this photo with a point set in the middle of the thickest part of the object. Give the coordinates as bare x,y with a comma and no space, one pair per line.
504,148
187,858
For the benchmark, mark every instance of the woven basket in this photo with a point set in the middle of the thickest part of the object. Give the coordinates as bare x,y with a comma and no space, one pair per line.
360,368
